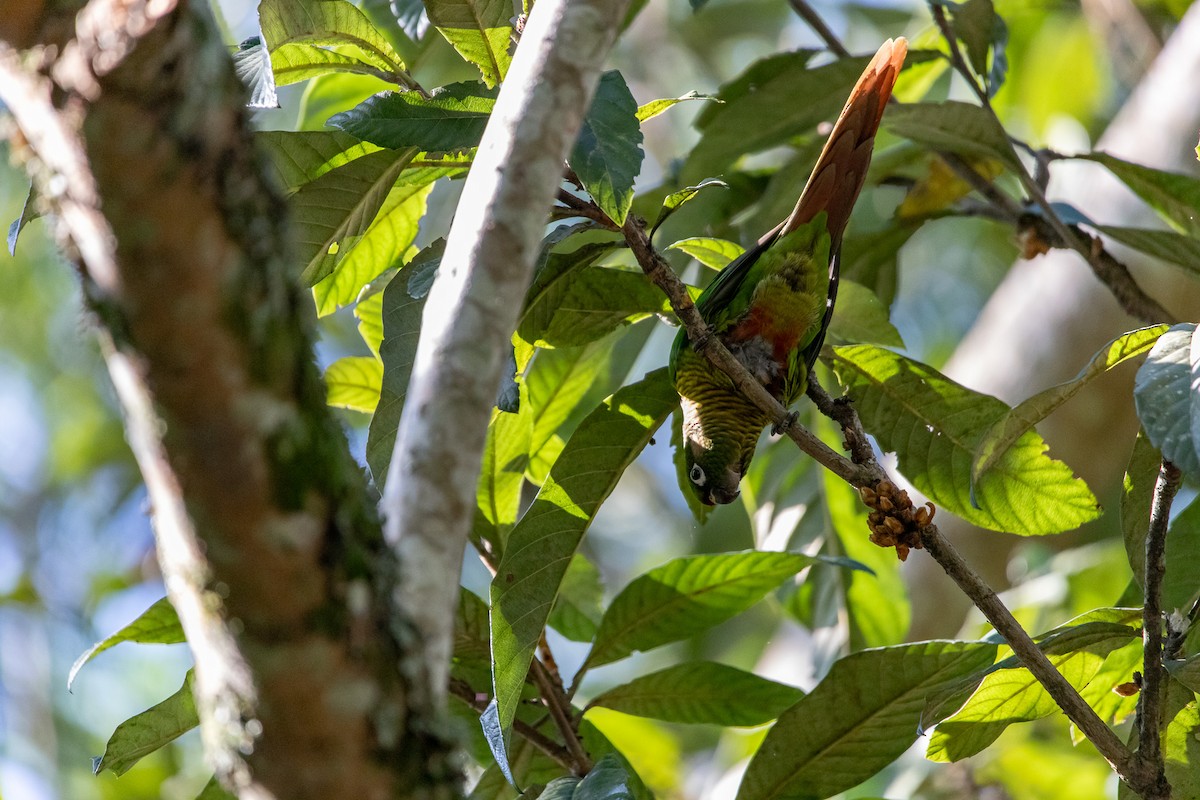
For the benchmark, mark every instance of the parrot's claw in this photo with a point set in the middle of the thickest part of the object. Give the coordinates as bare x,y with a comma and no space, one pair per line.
784,425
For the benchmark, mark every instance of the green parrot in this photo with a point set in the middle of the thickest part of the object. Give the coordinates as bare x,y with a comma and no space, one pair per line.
772,305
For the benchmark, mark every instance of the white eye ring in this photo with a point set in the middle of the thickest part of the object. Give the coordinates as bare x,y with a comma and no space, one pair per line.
696,475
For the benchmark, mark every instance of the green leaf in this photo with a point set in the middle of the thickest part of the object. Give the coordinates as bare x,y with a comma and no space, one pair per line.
158,624
594,302
214,791
1167,404
1180,249
298,157
331,23
471,639
655,107
773,101
401,326
1013,425
541,545
607,156
607,780
498,493
557,382
353,382
1181,746
859,316
1136,497
329,94
407,15
479,30
1181,581
712,253
333,211
1174,196
871,258
551,285
857,720
252,65
702,692
451,118
150,730
382,246
577,611
955,127
369,312
686,596
933,426
980,29
1007,696
28,214
675,200
292,63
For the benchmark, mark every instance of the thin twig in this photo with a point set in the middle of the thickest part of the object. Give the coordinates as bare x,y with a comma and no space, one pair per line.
1107,268
809,15
555,701
529,733
1031,656
1150,705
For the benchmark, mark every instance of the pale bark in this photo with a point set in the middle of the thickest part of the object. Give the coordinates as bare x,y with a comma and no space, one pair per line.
133,127
1050,314
472,310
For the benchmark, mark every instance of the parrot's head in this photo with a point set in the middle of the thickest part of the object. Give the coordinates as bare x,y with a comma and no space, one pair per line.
714,472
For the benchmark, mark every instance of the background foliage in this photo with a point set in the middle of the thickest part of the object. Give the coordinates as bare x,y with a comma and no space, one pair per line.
685,642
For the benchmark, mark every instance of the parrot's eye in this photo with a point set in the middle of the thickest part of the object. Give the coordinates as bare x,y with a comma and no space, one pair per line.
697,475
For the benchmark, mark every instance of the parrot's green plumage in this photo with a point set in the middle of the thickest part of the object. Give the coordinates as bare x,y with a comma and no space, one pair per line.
772,305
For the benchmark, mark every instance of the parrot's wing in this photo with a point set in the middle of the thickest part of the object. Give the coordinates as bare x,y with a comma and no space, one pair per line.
719,300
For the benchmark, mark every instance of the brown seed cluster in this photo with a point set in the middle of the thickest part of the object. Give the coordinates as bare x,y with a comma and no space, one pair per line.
894,521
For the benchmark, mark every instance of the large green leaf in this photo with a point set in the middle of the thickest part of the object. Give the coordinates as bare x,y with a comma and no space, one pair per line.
541,545
607,780
382,246
328,94
933,425
292,63
702,692
1013,425
401,327
686,596
299,157
607,156
1167,401
595,301
652,109
552,284
158,624
774,100
141,735
1181,744
479,30
1007,696
331,213
332,23
1174,196
353,382
1181,581
498,493
557,381
577,610
858,719
860,316
954,127
451,118
1180,249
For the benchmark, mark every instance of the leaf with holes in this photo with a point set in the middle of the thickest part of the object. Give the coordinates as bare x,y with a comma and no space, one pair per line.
541,545
934,425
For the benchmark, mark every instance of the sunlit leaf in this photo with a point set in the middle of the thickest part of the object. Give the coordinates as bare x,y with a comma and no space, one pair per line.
607,156
1181,746
498,493
1166,399
329,23
1136,497
933,425
577,611
860,316
712,253
479,30
1023,417
298,157
551,285
557,381
655,107
353,382
686,596
158,624
702,692
675,200
857,720
141,735
541,545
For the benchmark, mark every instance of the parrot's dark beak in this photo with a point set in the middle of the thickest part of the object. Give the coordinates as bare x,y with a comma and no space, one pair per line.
719,496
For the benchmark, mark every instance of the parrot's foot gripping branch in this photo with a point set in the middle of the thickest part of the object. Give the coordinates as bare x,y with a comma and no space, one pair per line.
894,521
784,425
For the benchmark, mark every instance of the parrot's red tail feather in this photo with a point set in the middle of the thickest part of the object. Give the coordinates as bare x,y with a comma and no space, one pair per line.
841,170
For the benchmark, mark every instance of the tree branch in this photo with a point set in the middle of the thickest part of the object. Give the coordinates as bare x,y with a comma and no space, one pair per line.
1150,704
472,310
